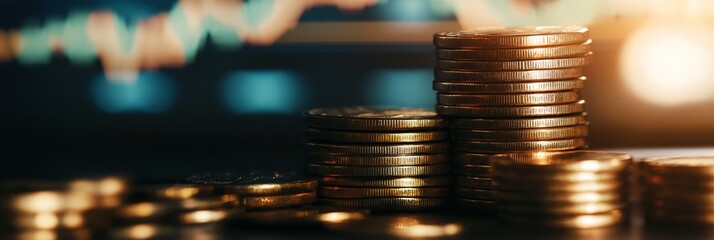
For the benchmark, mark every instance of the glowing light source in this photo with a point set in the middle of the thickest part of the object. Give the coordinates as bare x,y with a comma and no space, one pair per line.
408,88
262,92
670,63
152,92
39,202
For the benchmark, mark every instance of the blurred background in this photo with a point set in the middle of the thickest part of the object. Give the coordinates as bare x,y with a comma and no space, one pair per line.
163,89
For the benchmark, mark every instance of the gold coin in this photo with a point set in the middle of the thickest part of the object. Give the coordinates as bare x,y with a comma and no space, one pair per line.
521,146
562,197
520,123
374,119
474,182
442,75
373,192
556,177
386,182
478,205
533,134
687,183
516,65
375,137
589,186
472,158
574,161
472,170
680,165
375,161
379,149
395,171
515,53
384,204
680,195
525,99
473,193
510,112
307,215
279,201
559,208
679,205
511,37
494,88
256,183
576,221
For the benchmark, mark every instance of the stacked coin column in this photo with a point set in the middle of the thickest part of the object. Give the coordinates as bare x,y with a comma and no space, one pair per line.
509,90
679,189
380,159
573,189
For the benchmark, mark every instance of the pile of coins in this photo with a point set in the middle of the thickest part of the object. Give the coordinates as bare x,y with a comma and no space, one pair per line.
679,189
510,90
262,190
381,159
574,189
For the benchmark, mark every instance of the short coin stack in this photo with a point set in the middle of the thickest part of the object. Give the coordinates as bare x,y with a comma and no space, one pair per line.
382,159
510,90
575,189
679,189
262,190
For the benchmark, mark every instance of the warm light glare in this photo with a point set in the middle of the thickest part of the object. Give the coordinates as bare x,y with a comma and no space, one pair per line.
427,231
72,220
140,210
46,221
37,235
39,202
670,63
204,216
339,217
142,231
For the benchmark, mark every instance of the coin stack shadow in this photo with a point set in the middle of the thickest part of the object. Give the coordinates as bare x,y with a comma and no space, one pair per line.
679,189
378,158
509,90
572,189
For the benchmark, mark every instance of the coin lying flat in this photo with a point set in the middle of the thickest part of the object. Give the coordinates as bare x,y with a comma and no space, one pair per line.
473,193
574,221
379,149
385,204
375,137
479,205
375,161
474,182
515,53
518,37
684,165
521,146
256,183
523,87
386,182
589,186
524,99
395,171
511,112
558,177
279,201
472,170
373,192
374,119
443,75
516,65
521,123
522,134
573,161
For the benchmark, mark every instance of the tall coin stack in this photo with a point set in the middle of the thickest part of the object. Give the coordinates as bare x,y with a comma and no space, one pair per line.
382,159
510,90
679,189
574,189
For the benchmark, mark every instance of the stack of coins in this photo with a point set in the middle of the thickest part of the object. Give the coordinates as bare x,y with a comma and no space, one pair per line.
679,189
510,90
262,190
381,159
574,189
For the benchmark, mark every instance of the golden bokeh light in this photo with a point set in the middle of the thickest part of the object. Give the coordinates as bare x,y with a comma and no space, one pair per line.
39,202
669,62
